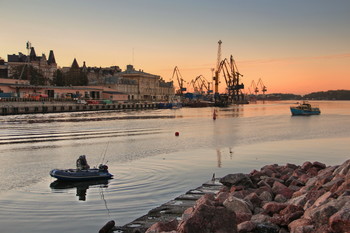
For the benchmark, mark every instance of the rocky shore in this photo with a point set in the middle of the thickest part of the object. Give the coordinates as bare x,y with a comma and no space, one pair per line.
309,198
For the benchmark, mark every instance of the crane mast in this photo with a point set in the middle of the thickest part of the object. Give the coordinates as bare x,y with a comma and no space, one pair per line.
218,61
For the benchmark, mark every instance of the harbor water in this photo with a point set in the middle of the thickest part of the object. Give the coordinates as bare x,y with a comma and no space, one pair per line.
150,164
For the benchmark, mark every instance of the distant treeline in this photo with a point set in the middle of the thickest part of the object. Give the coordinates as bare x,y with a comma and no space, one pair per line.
329,95
321,95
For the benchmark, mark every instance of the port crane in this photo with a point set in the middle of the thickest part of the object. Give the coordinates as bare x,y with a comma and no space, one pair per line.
217,72
262,86
201,85
180,80
230,72
255,87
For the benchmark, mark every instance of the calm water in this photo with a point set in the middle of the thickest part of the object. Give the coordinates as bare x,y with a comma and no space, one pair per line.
150,164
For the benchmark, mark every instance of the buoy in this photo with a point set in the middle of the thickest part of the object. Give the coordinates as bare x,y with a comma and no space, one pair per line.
214,114
177,134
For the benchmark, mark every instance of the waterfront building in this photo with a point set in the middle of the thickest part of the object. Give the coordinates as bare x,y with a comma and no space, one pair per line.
141,86
47,67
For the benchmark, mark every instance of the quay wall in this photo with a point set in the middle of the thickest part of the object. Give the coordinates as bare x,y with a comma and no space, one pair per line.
16,108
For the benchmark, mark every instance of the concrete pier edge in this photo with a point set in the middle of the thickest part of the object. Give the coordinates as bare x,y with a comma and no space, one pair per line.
170,210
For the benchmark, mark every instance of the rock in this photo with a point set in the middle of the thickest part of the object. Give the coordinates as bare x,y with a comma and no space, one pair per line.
207,218
318,165
242,217
280,198
306,166
107,227
279,188
221,197
322,213
266,196
266,228
322,199
237,205
333,184
300,200
246,227
340,221
312,172
260,218
271,208
254,199
237,180
343,169
163,227
301,226
292,166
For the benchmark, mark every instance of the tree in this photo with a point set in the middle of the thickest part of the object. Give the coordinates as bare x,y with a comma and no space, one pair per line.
28,72
59,79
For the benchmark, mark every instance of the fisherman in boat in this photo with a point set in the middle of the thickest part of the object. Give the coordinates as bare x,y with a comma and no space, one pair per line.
82,163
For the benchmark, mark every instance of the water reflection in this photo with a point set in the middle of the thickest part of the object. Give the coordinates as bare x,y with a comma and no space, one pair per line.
81,186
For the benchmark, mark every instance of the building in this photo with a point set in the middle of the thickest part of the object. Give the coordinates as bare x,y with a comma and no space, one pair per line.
47,67
14,88
141,86
3,69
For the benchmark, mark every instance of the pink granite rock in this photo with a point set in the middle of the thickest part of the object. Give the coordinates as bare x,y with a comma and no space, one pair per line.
279,188
306,166
237,205
246,227
301,226
271,208
207,219
163,227
340,221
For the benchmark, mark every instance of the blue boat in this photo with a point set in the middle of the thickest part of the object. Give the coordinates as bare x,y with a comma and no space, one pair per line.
304,109
82,175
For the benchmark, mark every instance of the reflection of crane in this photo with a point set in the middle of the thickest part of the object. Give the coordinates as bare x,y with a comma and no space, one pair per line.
180,80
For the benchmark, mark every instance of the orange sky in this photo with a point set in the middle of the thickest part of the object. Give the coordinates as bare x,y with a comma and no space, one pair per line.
293,46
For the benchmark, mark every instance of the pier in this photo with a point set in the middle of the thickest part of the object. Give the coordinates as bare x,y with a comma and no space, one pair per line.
170,210
16,108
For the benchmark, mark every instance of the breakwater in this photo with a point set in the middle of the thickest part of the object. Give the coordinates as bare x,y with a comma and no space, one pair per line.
172,210
15,108
276,199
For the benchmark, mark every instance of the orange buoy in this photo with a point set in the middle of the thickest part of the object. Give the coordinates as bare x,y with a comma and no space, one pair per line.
177,134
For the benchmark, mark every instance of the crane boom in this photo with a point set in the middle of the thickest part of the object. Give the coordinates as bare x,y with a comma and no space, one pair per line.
180,80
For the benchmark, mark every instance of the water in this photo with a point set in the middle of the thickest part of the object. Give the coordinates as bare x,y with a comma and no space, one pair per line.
151,165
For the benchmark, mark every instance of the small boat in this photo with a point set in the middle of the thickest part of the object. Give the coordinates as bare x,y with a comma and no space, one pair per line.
82,175
83,172
304,109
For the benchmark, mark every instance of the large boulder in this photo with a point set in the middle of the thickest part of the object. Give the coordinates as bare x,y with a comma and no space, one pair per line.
238,179
163,227
340,221
237,205
206,217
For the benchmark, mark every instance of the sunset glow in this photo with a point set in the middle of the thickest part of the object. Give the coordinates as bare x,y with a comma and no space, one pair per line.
293,46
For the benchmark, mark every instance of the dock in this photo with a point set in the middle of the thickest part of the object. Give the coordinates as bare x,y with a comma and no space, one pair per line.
16,108
170,210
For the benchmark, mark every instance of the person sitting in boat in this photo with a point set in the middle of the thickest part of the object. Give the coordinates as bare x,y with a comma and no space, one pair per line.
82,163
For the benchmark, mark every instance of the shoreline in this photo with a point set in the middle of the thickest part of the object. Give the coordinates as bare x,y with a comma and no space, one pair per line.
311,197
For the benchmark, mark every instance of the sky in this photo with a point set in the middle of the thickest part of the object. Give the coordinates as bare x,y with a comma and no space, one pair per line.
292,46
